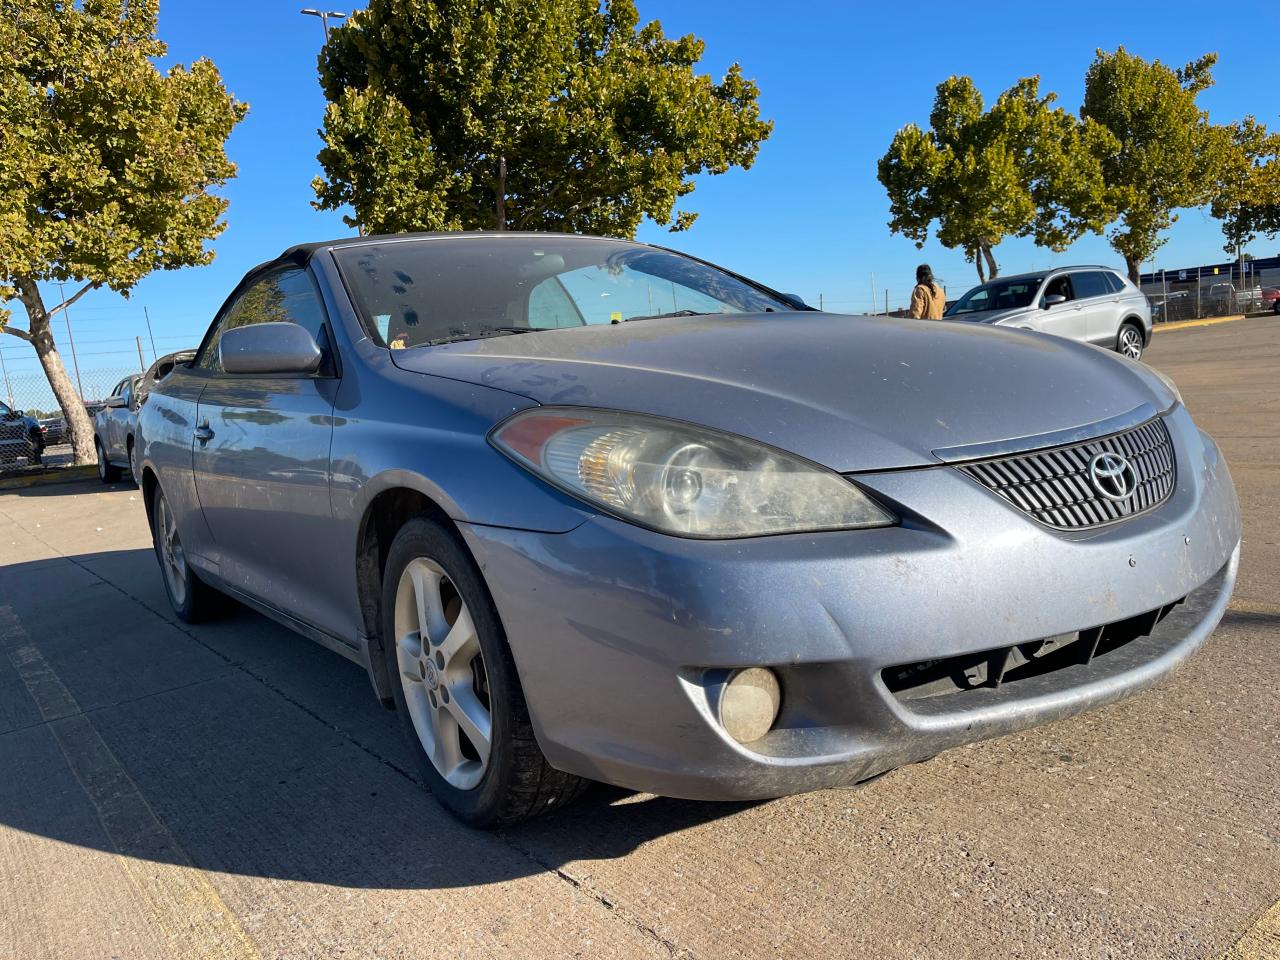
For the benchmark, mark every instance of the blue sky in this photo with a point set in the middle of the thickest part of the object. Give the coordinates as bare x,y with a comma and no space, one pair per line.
838,79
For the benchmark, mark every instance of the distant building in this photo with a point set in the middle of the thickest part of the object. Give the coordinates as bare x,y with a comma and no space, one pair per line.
1264,271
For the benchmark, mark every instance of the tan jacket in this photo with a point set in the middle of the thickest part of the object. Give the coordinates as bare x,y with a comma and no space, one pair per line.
928,302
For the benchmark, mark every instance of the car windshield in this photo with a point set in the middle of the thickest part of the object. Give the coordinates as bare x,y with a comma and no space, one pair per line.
413,293
997,295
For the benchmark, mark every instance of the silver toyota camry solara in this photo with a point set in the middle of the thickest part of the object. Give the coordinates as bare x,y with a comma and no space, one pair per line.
588,509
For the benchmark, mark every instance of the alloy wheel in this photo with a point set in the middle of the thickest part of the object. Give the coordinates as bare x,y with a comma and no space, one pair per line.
1130,343
442,673
173,560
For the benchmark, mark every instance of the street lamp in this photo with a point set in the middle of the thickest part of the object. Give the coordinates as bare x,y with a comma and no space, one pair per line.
324,16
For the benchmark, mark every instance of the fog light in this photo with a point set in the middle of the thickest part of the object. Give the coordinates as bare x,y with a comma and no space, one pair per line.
749,703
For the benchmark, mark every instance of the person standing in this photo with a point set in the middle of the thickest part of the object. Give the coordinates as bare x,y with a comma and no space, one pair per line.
927,297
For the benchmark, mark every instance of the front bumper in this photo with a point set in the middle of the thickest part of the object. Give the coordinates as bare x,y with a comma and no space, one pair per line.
617,631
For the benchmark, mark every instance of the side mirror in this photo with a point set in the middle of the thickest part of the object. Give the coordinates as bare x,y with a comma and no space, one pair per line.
113,403
269,348
796,301
1053,299
13,415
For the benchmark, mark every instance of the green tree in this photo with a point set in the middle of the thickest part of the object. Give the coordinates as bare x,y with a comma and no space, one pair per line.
1022,168
1165,153
539,114
1246,197
105,163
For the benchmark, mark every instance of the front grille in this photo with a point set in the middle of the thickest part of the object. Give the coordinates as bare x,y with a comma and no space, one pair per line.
1053,485
993,669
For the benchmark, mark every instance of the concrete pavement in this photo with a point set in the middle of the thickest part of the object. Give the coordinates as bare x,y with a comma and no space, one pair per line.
232,790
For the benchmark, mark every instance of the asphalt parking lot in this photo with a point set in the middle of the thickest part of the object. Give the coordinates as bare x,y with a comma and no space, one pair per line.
233,791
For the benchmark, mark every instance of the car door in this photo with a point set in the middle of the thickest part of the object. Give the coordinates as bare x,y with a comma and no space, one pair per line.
1066,319
107,418
121,421
261,461
1098,305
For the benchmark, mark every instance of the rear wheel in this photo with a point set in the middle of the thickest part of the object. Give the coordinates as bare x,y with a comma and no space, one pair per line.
106,472
191,598
456,687
133,465
1129,341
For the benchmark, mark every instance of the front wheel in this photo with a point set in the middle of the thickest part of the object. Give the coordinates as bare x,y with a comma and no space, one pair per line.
35,449
1129,341
191,598
1275,305
106,472
456,687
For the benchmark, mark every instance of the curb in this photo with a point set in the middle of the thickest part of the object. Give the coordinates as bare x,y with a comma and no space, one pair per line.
54,476
1207,322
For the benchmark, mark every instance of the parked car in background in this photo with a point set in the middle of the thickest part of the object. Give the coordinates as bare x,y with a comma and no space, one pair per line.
1225,297
1091,304
1271,299
158,371
113,430
20,436
55,431
115,424
588,508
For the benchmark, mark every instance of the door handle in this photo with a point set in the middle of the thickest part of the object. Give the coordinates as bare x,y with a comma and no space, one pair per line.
204,433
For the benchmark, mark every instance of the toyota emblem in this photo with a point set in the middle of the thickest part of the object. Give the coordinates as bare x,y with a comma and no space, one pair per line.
1113,476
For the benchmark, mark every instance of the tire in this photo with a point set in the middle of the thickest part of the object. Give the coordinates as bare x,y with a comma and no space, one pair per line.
133,466
1129,341
106,472
35,449
1275,305
190,597
430,582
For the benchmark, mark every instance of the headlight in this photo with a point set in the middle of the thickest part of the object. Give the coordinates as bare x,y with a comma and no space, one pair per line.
682,479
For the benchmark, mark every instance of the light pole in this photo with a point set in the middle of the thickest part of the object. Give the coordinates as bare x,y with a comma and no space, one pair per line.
324,16
66,315
5,370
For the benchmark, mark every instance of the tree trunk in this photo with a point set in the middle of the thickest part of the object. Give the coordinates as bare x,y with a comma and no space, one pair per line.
992,270
1135,269
78,425
500,194
977,262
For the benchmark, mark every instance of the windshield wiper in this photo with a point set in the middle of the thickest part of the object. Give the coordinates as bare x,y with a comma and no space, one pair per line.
673,313
481,334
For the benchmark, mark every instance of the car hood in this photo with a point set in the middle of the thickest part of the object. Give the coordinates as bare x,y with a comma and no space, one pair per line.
852,393
990,316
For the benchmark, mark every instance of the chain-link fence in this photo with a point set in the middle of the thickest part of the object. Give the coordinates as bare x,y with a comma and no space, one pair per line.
1251,287
33,431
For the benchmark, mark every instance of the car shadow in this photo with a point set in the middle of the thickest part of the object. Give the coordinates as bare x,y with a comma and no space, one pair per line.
238,746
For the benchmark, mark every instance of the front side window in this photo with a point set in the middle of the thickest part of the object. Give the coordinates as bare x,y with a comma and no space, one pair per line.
1060,286
413,293
281,296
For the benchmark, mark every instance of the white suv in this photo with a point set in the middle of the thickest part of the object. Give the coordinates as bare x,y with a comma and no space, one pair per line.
1093,304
